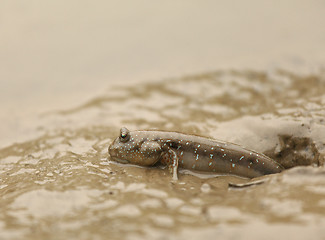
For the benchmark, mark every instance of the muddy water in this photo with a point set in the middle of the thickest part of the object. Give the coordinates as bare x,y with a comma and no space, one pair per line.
62,184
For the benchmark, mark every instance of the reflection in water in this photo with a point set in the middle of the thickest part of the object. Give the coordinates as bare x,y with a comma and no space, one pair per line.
62,183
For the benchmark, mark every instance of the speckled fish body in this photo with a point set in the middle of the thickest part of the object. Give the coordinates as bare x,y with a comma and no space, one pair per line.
190,152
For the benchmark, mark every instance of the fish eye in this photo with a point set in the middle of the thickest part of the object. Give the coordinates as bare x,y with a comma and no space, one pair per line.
124,134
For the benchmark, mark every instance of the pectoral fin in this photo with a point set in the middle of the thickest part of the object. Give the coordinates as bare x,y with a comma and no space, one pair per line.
169,157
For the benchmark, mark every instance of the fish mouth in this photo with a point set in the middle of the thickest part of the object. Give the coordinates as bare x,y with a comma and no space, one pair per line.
120,160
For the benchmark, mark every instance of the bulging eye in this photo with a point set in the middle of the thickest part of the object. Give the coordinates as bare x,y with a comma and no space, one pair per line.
124,136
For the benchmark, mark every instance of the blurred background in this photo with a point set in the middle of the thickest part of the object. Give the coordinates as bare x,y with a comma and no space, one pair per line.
58,53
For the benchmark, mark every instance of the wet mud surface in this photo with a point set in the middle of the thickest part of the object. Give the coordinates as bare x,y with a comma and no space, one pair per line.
61,183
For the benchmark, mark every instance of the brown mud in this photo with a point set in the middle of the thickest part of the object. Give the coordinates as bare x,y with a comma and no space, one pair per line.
61,183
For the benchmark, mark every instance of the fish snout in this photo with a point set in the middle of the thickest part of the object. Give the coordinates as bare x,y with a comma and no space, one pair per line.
113,151
116,155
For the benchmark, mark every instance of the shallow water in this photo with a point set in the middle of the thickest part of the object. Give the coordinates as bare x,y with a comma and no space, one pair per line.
56,178
61,184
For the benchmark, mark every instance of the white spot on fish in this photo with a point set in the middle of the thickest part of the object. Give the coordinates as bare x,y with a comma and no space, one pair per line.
241,158
211,156
222,150
233,165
